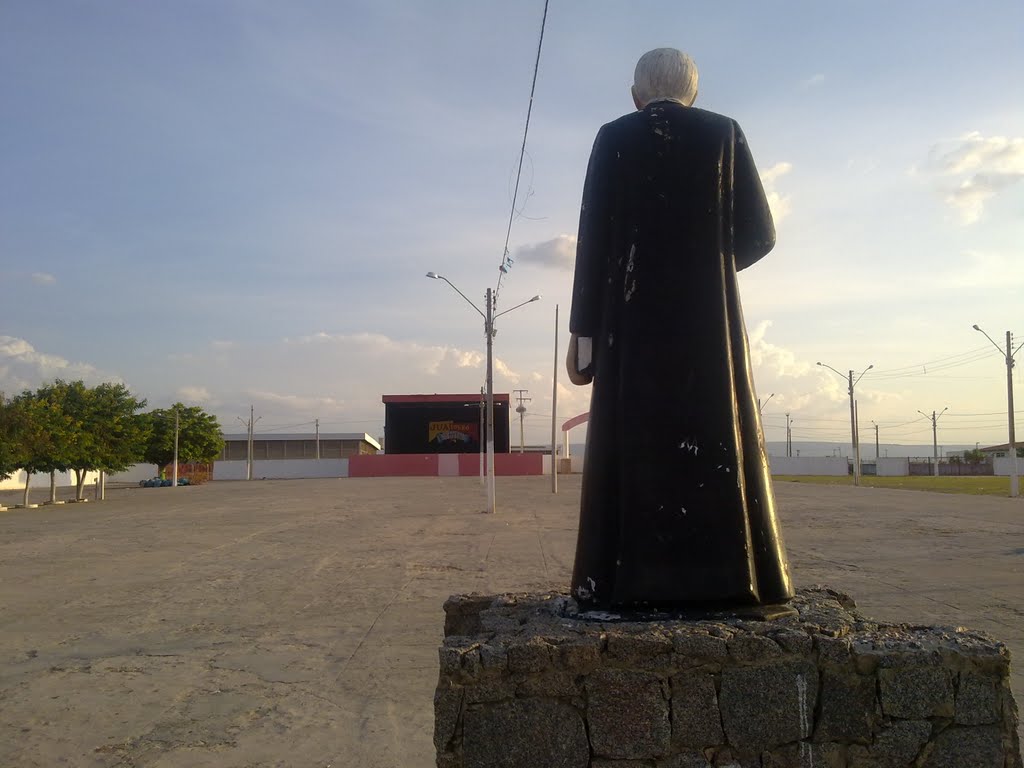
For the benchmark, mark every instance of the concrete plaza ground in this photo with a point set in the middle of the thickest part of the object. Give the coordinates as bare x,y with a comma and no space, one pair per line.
296,623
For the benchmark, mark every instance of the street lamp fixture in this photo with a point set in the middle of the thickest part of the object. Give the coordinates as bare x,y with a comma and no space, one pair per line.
1011,443
489,317
853,416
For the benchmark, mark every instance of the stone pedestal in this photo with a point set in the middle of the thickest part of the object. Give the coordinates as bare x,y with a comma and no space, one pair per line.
528,682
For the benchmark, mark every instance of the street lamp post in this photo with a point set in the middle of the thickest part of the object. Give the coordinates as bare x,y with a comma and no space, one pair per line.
489,318
853,417
174,480
1012,443
483,426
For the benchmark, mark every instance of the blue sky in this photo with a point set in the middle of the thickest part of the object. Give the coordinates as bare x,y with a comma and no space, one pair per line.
235,202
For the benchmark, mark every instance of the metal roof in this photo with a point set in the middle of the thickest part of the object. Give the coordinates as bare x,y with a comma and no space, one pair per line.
238,437
435,398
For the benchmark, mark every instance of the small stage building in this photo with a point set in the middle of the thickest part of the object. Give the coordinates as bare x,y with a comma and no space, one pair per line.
422,424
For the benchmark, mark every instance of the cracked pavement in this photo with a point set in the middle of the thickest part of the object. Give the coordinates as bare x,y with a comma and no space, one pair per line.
296,623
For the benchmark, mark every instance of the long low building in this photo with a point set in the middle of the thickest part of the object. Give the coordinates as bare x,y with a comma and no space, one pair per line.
332,445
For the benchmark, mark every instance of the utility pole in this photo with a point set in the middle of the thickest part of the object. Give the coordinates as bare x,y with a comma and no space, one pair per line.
789,436
489,325
248,475
1012,442
480,439
554,412
177,425
489,317
935,435
876,440
317,427
249,425
521,410
855,438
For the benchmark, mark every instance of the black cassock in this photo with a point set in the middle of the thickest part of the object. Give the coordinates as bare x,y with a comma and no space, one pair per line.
677,508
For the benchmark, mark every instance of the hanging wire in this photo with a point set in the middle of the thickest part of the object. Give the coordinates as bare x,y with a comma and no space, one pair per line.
506,262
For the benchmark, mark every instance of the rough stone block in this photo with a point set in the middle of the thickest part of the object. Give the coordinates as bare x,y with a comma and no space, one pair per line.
552,683
734,758
834,650
462,613
804,755
638,648
542,685
960,747
916,692
763,707
977,700
700,647
751,648
628,714
447,709
531,656
895,747
696,721
493,657
793,641
524,733
490,690
687,758
581,656
847,707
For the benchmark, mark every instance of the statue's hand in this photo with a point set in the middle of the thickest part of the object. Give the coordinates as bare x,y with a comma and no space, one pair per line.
576,376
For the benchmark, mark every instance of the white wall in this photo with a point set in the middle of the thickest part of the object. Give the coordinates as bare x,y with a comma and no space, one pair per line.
134,474
1001,466
836,466
892,467
16,482
281,469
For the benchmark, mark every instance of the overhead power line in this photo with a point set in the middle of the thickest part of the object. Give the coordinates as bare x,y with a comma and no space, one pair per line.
506,261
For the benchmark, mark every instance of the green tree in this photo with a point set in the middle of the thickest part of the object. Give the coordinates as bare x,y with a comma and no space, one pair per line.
36,424
8,450
199,436
64,428
106,432
115,433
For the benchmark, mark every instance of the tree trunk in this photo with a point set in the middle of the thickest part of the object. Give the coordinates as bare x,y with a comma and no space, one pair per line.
79,484
53,486
28,479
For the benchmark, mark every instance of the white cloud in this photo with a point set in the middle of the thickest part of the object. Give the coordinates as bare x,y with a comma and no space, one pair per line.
983,269
778,202
43,278
336,377
504,370
801,384
813,80
194,394
973,169
22,366
559,253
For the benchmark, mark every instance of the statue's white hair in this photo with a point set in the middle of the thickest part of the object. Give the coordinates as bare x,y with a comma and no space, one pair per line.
665,73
